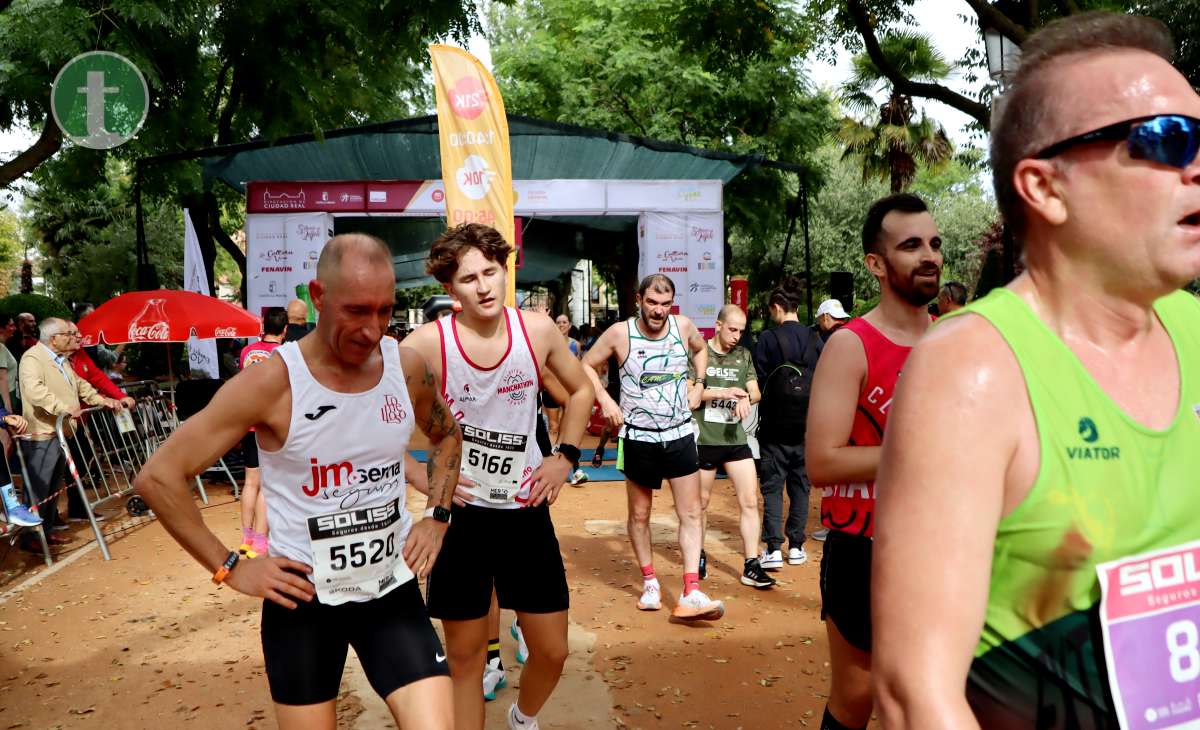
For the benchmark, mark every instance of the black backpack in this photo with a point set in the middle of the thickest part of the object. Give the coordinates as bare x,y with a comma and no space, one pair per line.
785,395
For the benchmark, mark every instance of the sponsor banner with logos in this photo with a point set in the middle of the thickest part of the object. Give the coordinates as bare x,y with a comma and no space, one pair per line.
202,354
290,197
635,196
688,249
706,268
281,255
473,139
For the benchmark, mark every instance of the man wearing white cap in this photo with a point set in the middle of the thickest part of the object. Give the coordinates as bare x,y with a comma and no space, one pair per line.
830,316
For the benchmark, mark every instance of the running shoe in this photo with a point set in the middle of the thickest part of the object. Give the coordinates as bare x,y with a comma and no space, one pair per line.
20,516
753,575
651,599
821,534
703,565
696,606
797,556
771,559
579,478
515,724
522,648
494,678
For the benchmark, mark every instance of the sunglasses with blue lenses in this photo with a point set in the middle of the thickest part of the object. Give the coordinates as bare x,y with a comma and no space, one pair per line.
1170,139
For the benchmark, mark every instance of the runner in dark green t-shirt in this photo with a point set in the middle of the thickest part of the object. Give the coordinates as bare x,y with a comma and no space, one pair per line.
730,388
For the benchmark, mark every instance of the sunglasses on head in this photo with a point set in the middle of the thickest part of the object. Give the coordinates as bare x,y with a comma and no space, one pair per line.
1170,139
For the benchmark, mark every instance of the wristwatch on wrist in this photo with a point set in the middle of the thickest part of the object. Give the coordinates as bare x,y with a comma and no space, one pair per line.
569,451
439,513
222,573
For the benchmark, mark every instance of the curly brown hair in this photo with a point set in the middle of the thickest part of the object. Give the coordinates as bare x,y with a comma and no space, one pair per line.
451,245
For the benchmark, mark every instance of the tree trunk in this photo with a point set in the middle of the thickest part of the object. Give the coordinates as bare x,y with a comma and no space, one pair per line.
43,149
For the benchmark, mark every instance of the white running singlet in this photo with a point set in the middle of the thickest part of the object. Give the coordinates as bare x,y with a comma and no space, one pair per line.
496,408
654,386
335,490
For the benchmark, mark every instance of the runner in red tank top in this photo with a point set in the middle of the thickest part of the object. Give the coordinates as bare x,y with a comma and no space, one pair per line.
850,508
254,503
847,414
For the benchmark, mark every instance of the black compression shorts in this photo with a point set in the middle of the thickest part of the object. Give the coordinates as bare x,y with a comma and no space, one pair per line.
249,451
305,648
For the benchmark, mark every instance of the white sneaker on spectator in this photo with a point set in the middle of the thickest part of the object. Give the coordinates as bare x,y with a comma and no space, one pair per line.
797,556
771,559
821,534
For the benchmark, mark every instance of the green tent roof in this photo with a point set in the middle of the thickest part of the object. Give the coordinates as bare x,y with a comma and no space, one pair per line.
408,150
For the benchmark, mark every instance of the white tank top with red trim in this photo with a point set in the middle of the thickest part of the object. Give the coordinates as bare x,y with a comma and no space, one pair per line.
496,408
335,490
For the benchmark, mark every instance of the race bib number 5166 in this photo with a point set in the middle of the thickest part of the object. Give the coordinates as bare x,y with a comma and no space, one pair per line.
1150,614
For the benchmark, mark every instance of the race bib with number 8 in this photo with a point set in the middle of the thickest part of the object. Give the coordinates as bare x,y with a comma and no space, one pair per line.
494,460
356,554
1150,616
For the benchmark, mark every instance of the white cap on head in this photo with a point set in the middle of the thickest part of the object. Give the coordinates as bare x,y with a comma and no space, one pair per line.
833,308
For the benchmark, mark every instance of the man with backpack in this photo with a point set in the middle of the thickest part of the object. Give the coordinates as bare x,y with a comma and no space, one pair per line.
784,359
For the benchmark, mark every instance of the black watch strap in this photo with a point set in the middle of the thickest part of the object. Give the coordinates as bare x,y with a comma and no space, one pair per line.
441,514
571,452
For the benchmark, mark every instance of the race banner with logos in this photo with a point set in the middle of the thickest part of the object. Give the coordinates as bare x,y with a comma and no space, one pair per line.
202,354
281,257
473,138
688,249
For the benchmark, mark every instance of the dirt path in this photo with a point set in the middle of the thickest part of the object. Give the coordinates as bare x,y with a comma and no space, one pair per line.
145,641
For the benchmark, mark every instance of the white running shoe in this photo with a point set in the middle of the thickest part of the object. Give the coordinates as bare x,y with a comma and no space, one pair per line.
797,556
821,534
651,599
579,478
522,648
771,559
493,679
515,724
696,606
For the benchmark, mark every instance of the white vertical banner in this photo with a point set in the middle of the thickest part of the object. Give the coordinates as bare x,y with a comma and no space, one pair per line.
662,249
305,234
202,354
267,262
706,269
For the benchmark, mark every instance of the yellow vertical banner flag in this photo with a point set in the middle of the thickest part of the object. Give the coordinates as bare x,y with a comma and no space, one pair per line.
473,137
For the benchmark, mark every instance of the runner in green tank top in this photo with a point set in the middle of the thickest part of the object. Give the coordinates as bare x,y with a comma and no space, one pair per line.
1038,516
731,387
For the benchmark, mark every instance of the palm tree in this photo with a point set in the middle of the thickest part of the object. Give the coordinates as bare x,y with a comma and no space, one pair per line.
892,147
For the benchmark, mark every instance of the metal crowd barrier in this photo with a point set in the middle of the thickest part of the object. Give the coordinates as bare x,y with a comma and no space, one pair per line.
7,528
108,449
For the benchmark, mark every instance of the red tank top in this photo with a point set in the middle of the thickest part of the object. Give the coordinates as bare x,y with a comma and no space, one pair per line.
851,507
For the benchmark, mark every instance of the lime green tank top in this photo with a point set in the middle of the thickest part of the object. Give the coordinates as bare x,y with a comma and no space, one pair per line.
1106,488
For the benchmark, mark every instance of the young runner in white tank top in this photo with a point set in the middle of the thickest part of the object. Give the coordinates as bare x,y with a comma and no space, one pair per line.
496,408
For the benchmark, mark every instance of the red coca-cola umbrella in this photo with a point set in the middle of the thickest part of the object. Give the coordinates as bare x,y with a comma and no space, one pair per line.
166,315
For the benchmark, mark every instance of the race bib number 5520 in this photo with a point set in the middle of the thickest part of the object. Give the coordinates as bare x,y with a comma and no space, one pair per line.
1150,615
356,554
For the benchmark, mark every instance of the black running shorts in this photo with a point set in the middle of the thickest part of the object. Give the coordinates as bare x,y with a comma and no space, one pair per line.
249,451
305,647
513,550
647,464
846,586
714,457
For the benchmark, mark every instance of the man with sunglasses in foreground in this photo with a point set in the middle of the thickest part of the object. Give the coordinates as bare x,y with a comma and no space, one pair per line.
1069,402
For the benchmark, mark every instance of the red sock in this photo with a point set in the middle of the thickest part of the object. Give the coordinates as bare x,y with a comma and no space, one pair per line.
691,582
648,572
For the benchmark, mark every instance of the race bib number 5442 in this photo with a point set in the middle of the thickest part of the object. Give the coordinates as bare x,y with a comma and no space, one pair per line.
1150,614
